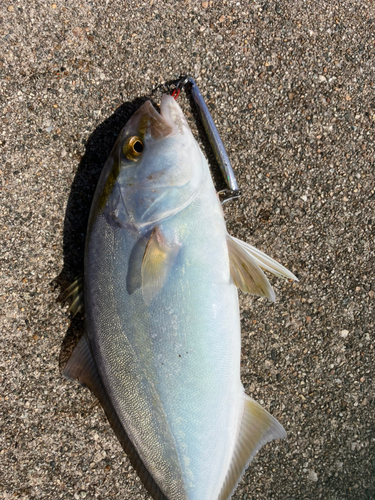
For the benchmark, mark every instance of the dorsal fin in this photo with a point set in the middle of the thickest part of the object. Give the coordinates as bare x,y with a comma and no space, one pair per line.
75,291
81,367
257,428
246,273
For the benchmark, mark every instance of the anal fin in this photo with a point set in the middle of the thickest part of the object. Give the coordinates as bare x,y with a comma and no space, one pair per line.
257,427
81,367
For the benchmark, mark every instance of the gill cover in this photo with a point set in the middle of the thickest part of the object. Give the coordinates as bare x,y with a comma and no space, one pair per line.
159,165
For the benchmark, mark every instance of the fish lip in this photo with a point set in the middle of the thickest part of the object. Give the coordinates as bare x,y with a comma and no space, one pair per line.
173,114
148,122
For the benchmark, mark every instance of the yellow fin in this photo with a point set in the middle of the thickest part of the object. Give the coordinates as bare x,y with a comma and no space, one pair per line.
156,264
75,291
246,273
257,428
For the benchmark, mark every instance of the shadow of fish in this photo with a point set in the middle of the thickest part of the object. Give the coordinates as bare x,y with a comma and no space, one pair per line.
162,342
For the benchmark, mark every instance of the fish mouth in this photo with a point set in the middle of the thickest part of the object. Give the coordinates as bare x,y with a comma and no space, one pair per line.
147,122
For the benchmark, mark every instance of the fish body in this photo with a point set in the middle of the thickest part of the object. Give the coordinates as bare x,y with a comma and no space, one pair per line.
162,340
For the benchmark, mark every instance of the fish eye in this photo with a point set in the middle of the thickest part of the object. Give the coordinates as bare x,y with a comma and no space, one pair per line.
133,148
138,147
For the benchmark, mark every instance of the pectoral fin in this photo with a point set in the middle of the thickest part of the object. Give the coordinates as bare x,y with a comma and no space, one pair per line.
156,264
257,427
246,273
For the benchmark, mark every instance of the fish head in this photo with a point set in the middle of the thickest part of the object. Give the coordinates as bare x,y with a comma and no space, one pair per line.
160,167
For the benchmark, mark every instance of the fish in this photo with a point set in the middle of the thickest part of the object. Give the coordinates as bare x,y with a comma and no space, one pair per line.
162,342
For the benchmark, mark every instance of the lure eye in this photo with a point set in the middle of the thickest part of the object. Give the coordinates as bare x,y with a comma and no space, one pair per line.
133,148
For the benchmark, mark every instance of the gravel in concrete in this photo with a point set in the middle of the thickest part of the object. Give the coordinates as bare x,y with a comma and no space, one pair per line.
291,88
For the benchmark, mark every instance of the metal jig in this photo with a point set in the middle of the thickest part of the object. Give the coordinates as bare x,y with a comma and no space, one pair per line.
213,136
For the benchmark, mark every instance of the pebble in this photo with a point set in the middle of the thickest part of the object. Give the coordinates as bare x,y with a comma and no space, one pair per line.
312,476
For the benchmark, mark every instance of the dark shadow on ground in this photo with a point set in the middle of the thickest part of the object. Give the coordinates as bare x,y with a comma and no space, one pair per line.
98,148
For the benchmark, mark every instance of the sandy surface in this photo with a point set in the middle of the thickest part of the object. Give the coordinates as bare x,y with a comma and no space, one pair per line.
291,88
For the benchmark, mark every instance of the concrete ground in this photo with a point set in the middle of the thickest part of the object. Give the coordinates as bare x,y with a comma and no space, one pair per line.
291,87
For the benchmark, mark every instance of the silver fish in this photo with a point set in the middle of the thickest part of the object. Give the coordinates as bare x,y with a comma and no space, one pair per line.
162,342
